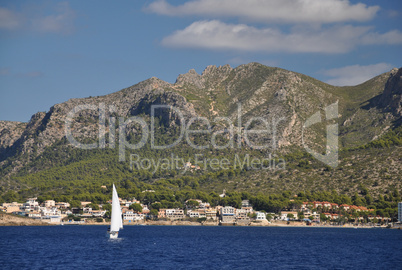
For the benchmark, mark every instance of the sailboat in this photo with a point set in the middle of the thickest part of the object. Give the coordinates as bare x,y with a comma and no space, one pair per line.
116,222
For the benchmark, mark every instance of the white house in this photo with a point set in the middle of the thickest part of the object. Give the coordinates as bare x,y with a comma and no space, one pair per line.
34,214
132,215
175,213
30,205
193,214
261,216
241,214
228,214
51,219
50,211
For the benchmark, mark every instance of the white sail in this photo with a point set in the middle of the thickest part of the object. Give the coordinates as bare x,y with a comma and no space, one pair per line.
117,221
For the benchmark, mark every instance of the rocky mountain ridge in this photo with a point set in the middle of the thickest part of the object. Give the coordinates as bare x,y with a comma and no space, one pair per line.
366,111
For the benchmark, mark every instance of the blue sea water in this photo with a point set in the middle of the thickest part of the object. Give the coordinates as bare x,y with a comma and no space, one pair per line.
182,247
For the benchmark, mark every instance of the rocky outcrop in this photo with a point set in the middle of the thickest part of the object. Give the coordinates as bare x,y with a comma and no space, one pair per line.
10,132
191,77
162,97
391,98
210,77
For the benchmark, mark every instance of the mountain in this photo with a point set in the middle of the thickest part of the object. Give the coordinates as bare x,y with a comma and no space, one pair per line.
38,157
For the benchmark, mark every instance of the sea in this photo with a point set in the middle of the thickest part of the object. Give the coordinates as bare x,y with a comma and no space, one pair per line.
199,247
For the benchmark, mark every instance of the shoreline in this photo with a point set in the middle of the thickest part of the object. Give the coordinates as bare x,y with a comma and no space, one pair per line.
191,224
13,221
12,224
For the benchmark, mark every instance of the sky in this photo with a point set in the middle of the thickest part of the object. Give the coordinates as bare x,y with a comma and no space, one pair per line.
51,51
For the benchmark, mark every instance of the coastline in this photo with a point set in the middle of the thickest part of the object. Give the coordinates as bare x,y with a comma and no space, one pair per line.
12,220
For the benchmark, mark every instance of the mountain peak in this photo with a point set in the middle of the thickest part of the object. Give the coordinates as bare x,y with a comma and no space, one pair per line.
214,69
211,72
191,77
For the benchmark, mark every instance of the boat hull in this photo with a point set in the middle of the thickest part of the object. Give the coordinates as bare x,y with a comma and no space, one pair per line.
113,235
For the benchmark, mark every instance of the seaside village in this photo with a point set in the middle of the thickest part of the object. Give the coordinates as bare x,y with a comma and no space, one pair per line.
309,213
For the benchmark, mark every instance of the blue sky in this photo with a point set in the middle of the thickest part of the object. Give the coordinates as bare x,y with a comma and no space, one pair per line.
51,51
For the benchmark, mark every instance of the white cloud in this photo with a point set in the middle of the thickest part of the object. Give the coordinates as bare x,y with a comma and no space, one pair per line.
285,11
61,20
9,19
356,74
317,26
218,35
390,38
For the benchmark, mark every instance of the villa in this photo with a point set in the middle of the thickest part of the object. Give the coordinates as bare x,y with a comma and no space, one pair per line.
228,214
